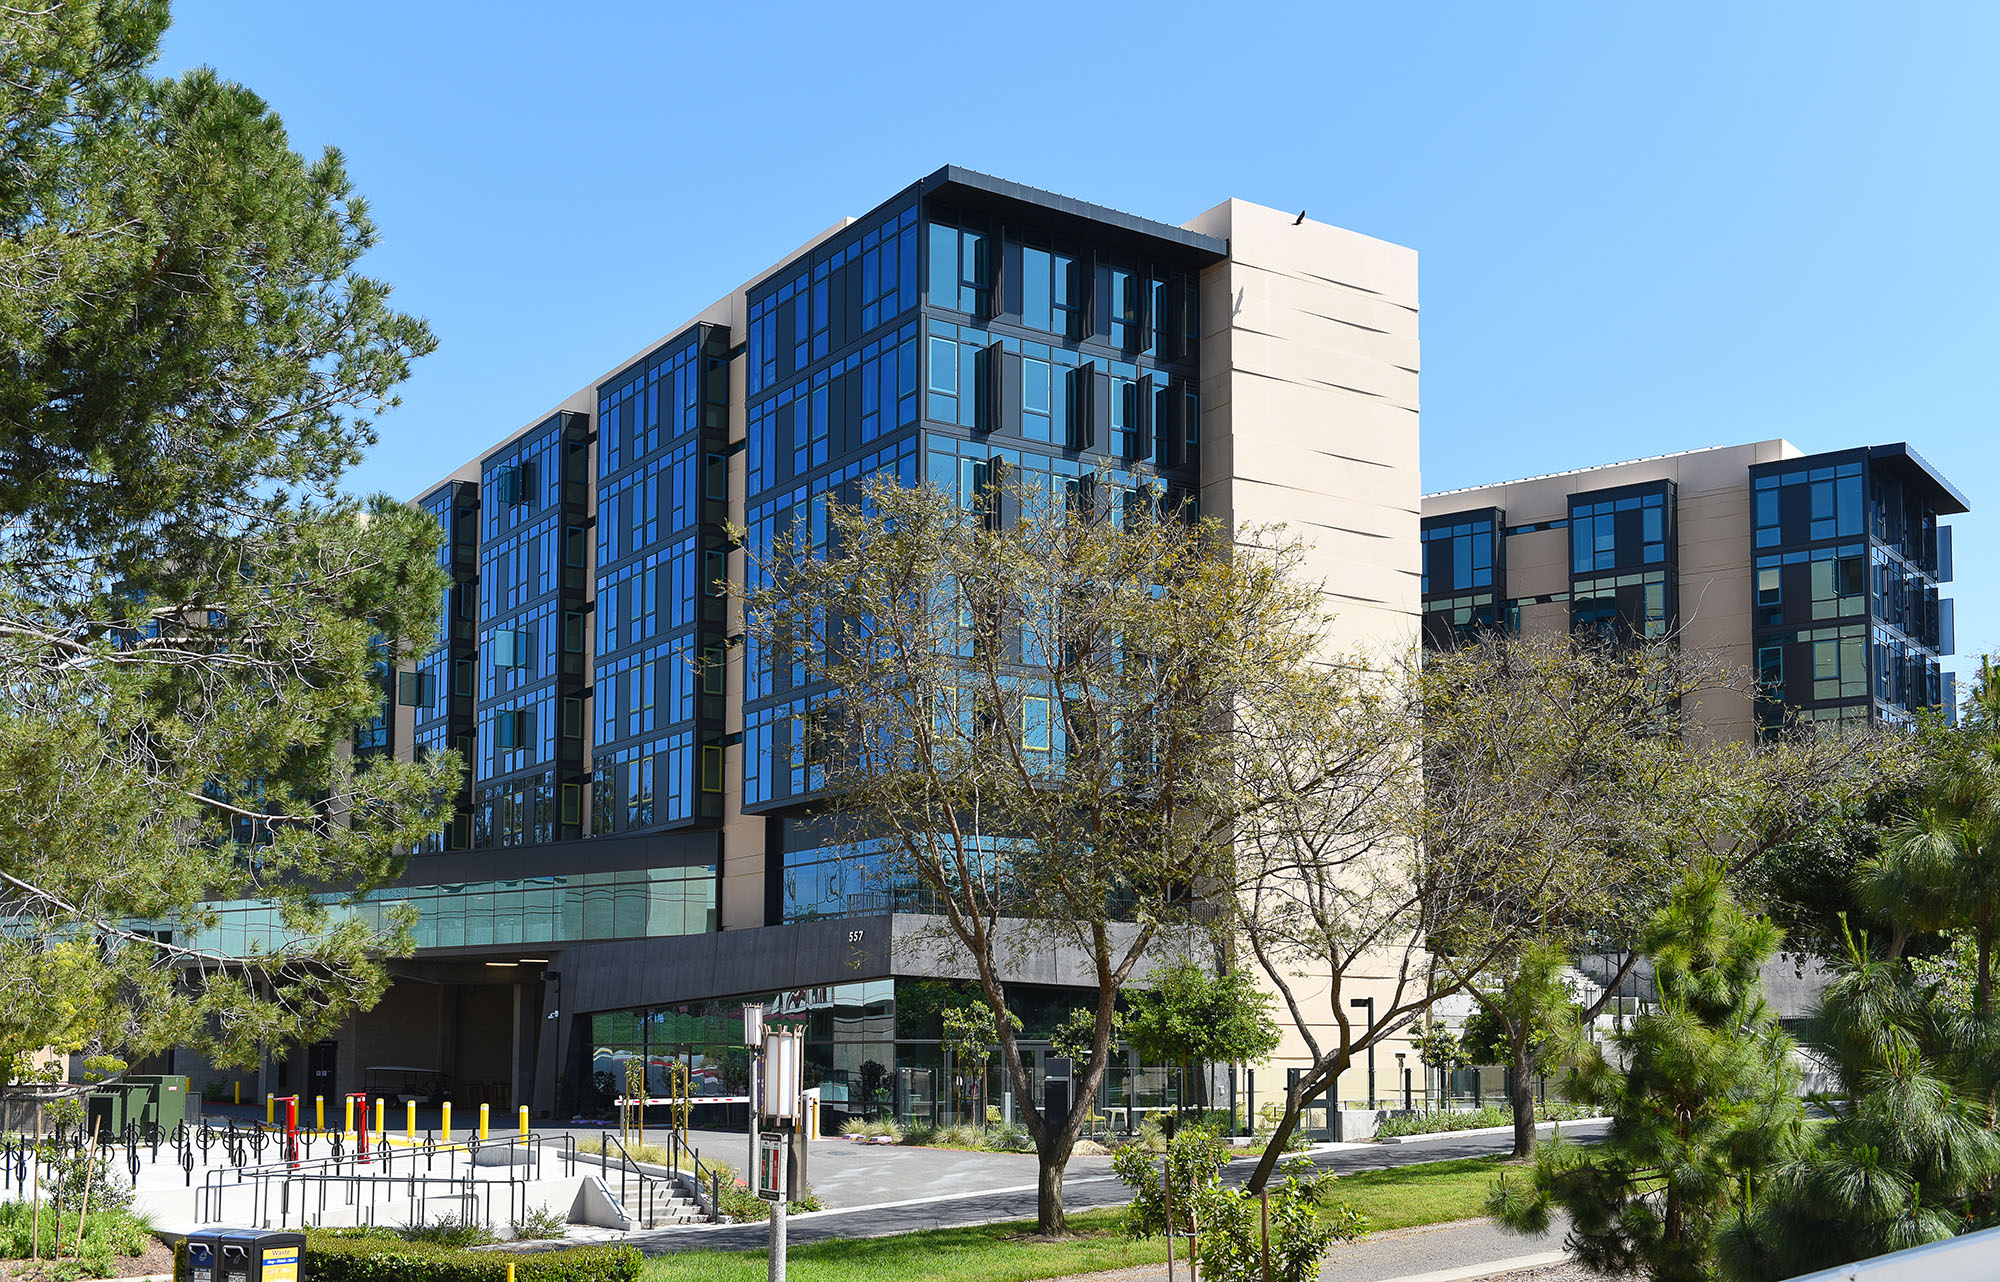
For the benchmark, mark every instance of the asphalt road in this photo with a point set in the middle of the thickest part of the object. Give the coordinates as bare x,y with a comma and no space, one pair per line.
1080,1192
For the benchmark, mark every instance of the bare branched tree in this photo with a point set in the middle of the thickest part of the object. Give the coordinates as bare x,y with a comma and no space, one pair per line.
1016,717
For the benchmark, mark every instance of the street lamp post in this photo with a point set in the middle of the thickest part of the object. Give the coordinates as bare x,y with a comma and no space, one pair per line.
1368,1003
778,1101
753,1038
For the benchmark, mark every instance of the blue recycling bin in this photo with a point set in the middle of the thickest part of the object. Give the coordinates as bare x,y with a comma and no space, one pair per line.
245,1255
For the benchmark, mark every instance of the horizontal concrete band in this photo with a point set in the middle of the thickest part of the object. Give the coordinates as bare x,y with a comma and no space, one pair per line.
1482,1130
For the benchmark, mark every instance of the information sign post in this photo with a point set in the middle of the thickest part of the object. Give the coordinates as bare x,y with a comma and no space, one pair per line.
776,1101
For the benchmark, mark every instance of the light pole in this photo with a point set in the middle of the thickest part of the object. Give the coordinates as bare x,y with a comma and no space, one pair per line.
1403,1073
1368,1003
753,1038
779,1102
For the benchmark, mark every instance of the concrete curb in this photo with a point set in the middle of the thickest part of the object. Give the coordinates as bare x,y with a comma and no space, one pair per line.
1492,1268
1480,1130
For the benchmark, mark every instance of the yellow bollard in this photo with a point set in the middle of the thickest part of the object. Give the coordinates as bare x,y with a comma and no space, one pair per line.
348,1129
237,1088
444,1129
482,1122
270,1110
410,1122
319,1113
381,1131
510,1271
524,1121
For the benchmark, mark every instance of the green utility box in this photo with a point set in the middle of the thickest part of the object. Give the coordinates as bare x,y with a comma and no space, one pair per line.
166,1099
108,1108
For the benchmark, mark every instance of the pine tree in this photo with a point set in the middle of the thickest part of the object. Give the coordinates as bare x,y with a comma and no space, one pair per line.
193,615
1909,1154
1705,1103
1528,1019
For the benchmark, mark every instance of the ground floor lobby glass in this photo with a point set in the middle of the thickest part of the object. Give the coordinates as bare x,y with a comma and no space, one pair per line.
873,1049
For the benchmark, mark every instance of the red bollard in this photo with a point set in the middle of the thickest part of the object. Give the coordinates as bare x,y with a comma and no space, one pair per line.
291,1103
359,1099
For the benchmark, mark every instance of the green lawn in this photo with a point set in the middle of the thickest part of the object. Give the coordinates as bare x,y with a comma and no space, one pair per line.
992,1253
1429,1193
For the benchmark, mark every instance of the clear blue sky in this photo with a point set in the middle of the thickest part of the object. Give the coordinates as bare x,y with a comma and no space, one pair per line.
1642,228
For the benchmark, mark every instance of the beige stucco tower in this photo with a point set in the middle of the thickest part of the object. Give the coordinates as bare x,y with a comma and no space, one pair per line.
1309,378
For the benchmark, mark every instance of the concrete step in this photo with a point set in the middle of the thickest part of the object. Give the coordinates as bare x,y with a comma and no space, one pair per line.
668,1212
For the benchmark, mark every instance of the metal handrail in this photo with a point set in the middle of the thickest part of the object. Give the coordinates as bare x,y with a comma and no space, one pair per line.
378,1169
713,1180
649,1184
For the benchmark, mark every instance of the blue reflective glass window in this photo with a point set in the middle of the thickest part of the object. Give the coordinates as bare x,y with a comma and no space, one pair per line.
1124,417
1768,533
944,266
1065,303
1822,501
1848,514
972,270
1035,723
1124,309
1036,400
943,380
1035,283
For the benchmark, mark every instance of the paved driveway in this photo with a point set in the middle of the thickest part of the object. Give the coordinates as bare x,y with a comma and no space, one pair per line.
996,1199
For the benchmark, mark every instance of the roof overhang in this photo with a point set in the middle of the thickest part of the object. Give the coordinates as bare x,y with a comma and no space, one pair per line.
969,187
1916,471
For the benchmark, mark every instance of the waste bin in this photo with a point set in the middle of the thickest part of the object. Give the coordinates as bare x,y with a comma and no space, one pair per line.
256,1255
201,1257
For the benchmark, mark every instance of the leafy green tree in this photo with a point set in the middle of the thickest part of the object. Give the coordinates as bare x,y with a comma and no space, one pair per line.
1909,1153
1440,1051
191,613
1807,885
1587,772
1191,1015
1980,710
1072,1037
968,1033
1408,874
1223,1225
1706,1102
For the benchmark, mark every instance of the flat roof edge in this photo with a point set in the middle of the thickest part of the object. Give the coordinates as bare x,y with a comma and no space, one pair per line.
1952,500
972,180
1600,467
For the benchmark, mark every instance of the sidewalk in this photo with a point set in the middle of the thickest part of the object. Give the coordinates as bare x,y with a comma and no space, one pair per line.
1455,1252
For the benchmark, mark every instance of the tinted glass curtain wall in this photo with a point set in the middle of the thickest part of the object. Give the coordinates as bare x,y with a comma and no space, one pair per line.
1057,363
533,593
662,566
1849,623
1624,567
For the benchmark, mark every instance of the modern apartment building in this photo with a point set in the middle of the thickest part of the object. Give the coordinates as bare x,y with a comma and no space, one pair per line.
1819,573
636,854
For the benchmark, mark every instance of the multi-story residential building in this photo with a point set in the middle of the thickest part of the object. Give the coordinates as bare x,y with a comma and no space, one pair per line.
636,855
1818,573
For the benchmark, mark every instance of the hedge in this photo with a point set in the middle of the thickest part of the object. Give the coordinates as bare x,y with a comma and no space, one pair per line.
336,1257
